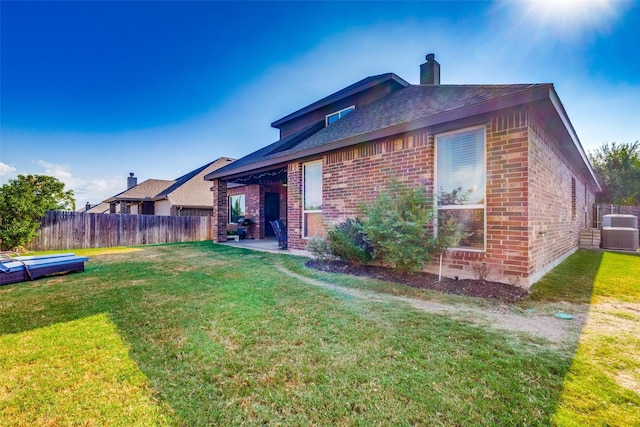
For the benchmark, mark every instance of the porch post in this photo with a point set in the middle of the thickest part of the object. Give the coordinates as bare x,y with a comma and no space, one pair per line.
220,210
294,206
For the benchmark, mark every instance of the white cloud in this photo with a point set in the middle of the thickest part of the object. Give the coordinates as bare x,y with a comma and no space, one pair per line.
98,189
58,171
6,169
93,190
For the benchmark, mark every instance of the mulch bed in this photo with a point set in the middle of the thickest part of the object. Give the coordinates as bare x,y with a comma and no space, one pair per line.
472,288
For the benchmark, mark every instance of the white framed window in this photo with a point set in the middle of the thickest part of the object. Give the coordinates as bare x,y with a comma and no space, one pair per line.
334,117
461,184
312,199
236,208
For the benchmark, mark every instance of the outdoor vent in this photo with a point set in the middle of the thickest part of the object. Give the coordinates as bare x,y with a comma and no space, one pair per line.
620,232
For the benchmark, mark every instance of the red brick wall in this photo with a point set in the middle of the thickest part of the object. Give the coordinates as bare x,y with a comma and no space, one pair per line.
294,206
528,207
533,215
507,207
254,204
355,175
220,210
507,187
251,205
555,230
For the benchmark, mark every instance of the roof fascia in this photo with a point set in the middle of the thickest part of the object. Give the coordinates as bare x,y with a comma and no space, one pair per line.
130,199
530,95
559,108
331,98
252,167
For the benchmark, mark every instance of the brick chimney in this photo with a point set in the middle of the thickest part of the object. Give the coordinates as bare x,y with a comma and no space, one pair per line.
430,71
87,206
132,181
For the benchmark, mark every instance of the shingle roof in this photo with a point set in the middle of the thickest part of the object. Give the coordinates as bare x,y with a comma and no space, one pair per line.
406,105
189,190
99,208
270,150
359,86
145,190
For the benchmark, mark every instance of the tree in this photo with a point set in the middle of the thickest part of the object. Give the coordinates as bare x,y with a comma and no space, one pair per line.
236,210
24,201
618,169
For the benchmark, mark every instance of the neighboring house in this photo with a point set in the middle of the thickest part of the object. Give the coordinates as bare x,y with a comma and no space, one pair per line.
504,160
188,195
101,207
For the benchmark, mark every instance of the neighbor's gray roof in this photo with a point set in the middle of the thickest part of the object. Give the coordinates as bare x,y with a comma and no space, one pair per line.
412,104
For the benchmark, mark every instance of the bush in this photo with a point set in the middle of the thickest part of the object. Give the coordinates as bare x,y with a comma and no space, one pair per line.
481,272
319,248
398,223
349,242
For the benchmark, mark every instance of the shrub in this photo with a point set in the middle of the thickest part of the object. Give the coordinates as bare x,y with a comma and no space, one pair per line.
481,272
398,227
319,248
349,242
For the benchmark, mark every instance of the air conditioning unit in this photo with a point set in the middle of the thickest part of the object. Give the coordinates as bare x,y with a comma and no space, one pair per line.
619,220
620,232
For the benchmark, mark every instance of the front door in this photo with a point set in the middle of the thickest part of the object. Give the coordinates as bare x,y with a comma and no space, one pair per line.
271,211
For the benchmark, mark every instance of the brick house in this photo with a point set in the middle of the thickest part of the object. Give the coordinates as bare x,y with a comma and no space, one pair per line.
504,160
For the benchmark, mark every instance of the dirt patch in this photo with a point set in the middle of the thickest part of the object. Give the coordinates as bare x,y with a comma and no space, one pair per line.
473,288
501,317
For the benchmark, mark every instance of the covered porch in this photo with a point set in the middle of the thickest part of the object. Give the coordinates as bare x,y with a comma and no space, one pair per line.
244,204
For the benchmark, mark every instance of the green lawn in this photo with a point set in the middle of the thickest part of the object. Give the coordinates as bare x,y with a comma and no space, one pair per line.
602,386
198,334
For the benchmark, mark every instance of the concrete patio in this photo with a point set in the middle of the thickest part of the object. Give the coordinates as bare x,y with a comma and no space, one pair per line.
269,244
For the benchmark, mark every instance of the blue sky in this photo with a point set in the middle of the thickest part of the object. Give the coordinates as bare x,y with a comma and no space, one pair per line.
91,91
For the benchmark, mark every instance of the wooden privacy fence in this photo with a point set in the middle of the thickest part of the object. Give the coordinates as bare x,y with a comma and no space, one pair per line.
72,230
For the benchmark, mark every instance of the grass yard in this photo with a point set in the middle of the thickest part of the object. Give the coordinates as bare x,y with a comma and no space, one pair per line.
602,386
198,334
